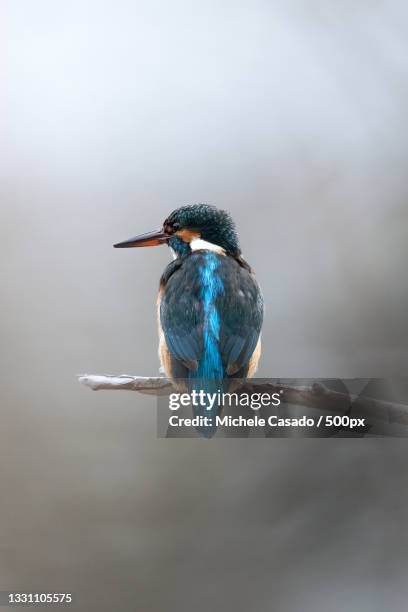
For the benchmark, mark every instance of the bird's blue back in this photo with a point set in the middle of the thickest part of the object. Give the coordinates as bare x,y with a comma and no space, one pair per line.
210,364
211,314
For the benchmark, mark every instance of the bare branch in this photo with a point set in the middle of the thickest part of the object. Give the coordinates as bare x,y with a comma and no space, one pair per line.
317,396
148,385
320,397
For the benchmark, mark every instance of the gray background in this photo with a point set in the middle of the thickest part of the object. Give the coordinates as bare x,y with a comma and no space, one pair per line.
293,116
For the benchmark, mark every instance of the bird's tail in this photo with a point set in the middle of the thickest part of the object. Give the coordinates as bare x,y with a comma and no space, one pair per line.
208,381
207,405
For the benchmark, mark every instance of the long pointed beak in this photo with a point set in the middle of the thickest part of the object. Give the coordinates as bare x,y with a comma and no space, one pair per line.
149,239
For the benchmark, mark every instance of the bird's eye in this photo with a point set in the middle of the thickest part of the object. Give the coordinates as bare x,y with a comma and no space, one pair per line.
176,226
168,228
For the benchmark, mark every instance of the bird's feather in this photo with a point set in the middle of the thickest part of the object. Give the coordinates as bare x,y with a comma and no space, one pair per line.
211,302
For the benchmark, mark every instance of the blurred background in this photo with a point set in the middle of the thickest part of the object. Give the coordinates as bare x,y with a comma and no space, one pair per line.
292,115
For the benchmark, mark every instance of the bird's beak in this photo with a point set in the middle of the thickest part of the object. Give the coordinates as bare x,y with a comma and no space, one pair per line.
149,239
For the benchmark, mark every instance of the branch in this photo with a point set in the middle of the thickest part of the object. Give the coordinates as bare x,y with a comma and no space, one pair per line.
317,396
148,385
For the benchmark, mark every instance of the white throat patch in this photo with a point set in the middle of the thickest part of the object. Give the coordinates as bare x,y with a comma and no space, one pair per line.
197,245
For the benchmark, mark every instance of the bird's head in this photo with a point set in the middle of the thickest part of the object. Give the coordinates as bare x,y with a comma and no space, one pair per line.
193,227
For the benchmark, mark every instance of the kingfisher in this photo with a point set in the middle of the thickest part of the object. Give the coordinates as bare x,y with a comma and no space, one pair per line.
210,306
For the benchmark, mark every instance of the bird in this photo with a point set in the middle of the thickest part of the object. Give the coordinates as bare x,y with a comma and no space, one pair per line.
210,306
